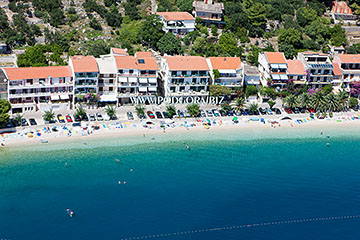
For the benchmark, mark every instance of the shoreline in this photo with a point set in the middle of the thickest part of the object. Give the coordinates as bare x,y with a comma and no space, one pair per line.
256,129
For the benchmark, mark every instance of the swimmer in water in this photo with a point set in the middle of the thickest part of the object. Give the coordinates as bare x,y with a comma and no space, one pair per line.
328,144
187,146
328,136
66,164
85,143
119,182
321,133
131,170
117,160
153,139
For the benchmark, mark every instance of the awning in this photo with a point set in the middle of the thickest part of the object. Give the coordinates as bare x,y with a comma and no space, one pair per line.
142,89
273,65
152,89
108,98
133,79
143,80
55,97
299,82
282,65
64,97
152,80
275,76
283,77
123,79
227,71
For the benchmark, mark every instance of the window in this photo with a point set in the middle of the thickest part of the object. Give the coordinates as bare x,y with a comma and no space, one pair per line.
101,80
183,73
111,81
152,72
101,89
121,71
111,89
182,89
131,71
172,89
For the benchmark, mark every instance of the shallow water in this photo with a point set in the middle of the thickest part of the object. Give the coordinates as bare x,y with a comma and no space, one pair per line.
228,178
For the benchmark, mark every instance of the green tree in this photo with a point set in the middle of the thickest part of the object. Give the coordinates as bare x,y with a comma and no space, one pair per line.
332,102
229,45
193,109
253,107
214,30
113,18
111,111
218,90
131,10
80,112
271,103
256,14
251,91
18,118
338,37
291,101
305,16
200,45
327,89
353,102
239,102
33,57
140,111
225,107
318,101
304,100
343,100
169,44
290,36
48,116
288,50
151,31
184,5
98,48
171,110
4,111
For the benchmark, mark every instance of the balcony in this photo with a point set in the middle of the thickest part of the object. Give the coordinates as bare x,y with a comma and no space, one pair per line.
39,85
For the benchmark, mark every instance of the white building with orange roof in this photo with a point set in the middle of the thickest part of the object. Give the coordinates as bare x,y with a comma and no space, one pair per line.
185,76
296,72
273,69
178,23
349,65
137,76
230,70
86,72
319,68
107,81
118,52
341,11
39,88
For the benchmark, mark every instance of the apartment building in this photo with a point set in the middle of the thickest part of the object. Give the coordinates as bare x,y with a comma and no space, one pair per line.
86,72
273,69
107,83
230,71
319,68
137,76
185,76
210,12
178,23
39,88
251,75
349,65
296,72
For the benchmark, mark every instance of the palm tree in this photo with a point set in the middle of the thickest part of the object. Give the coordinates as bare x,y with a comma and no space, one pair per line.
271,103
140,111
49,116
343,100
318,101
80,112
18,118
253,107
193,109
171,110
332,102
240,102
111,111
304,100
291,101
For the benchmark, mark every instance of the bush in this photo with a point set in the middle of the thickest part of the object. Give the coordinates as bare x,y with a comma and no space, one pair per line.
251,91
353,102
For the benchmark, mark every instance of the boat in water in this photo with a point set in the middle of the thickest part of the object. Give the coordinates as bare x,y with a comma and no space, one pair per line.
43,141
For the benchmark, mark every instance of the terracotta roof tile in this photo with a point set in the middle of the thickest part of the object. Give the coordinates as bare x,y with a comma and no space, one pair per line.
349,58
341,8
38,72
130,62
337,71
296,67
275,57
225,62
187,63
143,54
313,53
173,16
149,64
119,51
84,64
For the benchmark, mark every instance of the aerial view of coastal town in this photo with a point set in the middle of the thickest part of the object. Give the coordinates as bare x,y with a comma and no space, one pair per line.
179,119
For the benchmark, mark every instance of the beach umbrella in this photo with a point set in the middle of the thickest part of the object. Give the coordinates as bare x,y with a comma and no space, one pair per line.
235,119
208,120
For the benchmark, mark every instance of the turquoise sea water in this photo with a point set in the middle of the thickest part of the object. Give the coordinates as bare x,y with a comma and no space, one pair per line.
228,178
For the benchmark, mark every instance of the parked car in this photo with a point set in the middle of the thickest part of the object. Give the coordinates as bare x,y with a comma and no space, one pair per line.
249,112
85,118
92,117
180,113
107,117
76,124
277,111
237,113
186,113
77,118
231,113
303,110
202,113
268,110
222,113
158,115
166,115
311,110
15,123
296,111
24,123
60,118
68,118
288,110
356,108
256,112
209,113
32,122
243,112
150,114
130,115
262,111
99,117
216,113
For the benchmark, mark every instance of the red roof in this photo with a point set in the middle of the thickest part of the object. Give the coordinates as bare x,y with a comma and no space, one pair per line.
143,54
336,69
341,8
314,53
130,62
84,64
295,67
173,16
225,62
275,57
119,51
349,58
187,63
38,72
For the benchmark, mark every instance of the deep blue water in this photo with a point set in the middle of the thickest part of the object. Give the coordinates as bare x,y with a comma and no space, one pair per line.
218,183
